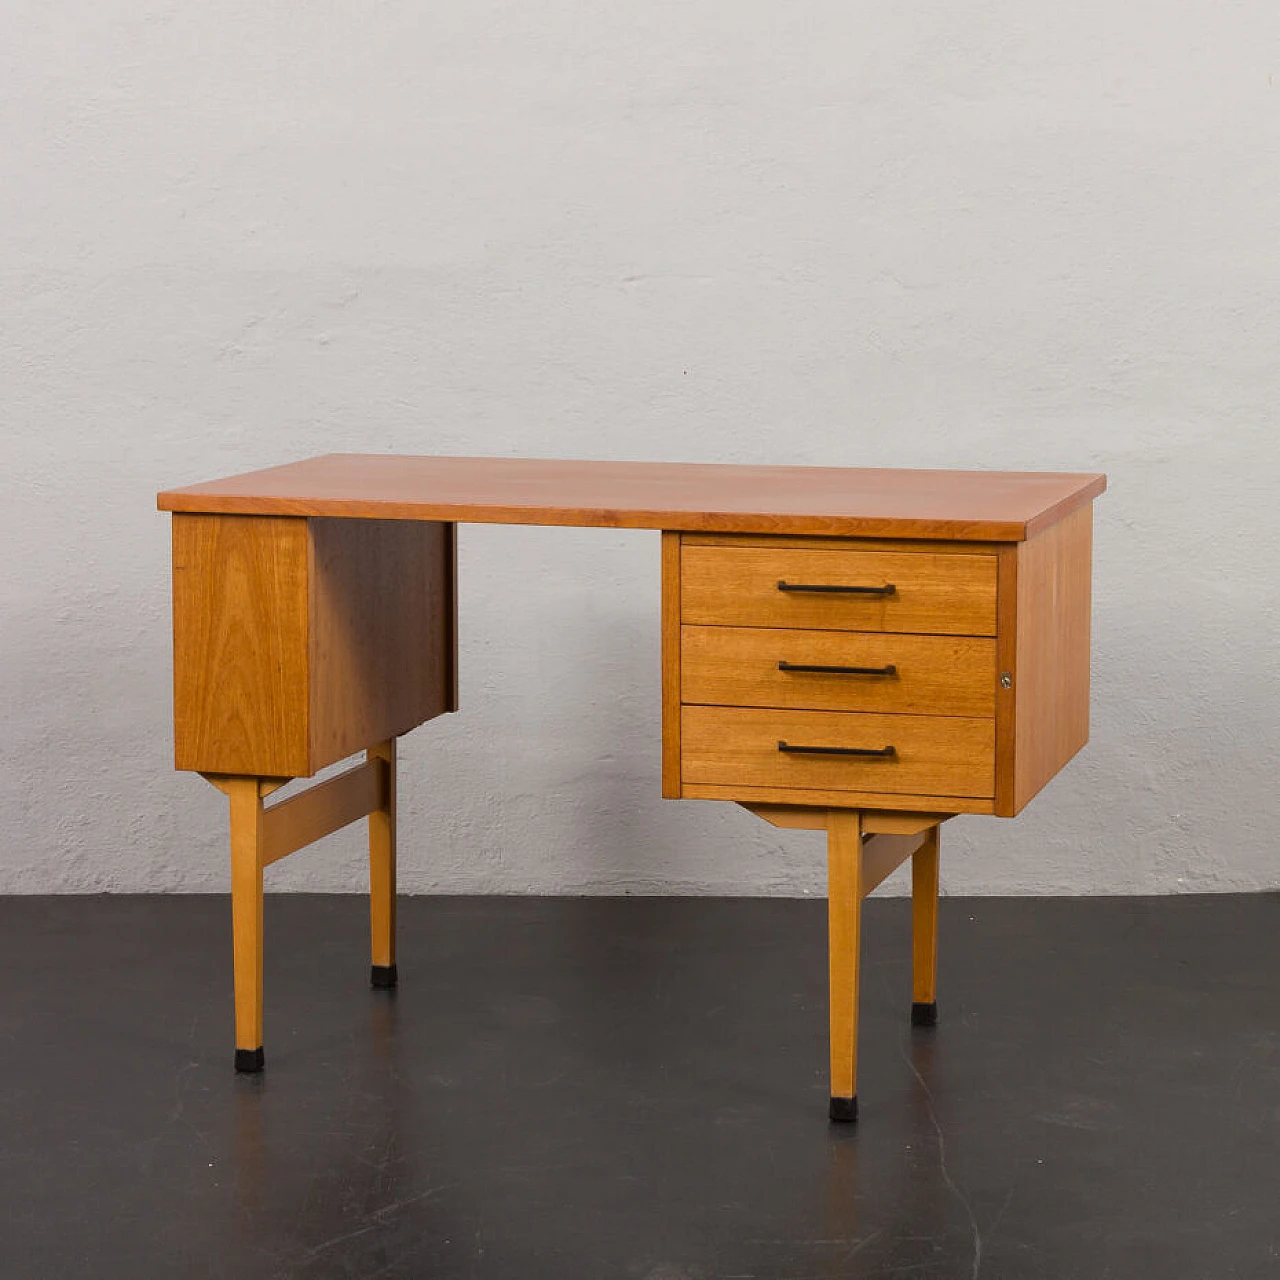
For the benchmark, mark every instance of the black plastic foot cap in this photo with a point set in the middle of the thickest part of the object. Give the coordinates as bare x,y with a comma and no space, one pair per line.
845,1109
924,1015
383,976
250,1059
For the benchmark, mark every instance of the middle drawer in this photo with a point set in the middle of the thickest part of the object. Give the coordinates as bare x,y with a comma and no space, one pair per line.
902,674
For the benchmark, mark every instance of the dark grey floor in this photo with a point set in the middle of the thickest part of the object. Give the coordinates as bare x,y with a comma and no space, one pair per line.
636,1088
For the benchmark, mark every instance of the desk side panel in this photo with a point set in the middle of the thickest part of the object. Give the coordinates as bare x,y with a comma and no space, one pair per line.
240,666
383,631
671,677
1051,677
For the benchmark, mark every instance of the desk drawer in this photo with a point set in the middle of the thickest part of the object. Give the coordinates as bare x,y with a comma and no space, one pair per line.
835,589
903,674
932,755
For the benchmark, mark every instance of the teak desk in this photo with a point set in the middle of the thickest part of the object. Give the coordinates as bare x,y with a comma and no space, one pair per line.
865,653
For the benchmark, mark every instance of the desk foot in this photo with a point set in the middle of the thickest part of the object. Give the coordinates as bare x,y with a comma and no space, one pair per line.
383,976
844,1110
924,1015
250,1060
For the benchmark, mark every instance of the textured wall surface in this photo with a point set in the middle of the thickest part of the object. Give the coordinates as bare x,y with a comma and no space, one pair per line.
1004,235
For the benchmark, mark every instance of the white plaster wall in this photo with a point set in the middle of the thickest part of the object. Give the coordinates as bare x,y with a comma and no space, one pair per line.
1007,234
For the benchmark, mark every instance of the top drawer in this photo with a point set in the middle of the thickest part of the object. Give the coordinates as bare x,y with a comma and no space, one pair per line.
839,590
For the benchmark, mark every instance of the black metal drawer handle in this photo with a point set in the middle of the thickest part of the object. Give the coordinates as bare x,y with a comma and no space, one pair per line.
883,753
784,585
890,670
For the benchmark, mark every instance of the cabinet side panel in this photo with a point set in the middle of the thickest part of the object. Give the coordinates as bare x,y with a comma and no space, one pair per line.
1006,666
449,569
382,631
1052,677
240,671
671,788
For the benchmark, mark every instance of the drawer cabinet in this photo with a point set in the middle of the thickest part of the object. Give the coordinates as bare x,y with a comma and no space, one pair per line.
939,677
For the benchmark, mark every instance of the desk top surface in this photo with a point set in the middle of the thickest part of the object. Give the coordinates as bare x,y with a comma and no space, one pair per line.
972,506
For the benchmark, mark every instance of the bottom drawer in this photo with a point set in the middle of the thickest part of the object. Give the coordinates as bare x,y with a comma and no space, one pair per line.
931,755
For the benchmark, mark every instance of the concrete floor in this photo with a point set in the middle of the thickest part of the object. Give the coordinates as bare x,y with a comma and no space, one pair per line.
636,1088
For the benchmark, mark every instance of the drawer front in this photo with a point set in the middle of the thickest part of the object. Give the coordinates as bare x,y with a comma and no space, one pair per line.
897,674
937,594
933,755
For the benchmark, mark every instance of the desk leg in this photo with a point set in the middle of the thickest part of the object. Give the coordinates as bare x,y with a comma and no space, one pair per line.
261,836
924,930
844,943
245,795
382,874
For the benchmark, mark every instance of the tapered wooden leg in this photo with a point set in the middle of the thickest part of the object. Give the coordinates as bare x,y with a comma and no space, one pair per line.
382,874
844,942
924,932
246,917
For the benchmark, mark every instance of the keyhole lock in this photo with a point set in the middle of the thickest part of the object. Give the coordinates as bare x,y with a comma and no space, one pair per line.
1006,680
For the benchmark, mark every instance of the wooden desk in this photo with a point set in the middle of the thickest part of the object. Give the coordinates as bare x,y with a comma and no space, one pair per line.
861,652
